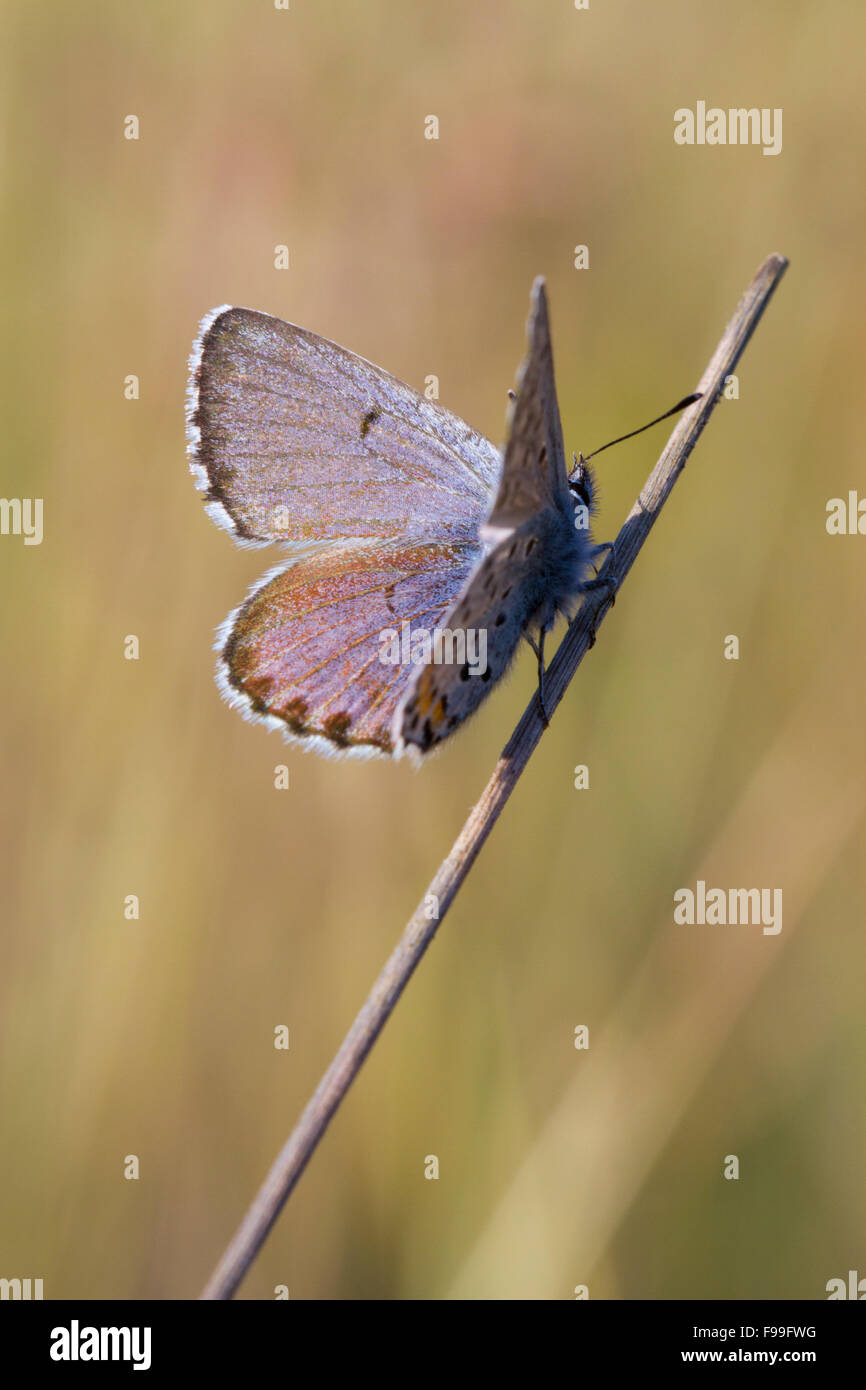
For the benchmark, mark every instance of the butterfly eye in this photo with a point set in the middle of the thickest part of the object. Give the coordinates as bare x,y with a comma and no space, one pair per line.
580,484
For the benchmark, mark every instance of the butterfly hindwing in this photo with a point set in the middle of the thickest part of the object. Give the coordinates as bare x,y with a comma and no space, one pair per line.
304,652
498,603
294,439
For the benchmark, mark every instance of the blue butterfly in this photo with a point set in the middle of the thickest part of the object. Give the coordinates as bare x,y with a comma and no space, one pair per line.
420,553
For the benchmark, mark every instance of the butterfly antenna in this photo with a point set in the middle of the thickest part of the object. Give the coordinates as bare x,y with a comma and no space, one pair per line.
674,410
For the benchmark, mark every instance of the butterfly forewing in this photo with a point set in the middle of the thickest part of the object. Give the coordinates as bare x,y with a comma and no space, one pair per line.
534,475
295,439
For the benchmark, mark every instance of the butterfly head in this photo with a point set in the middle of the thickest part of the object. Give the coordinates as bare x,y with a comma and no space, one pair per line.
581,484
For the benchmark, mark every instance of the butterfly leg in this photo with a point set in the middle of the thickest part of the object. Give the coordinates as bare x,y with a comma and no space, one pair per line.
538,648
608,586
604,547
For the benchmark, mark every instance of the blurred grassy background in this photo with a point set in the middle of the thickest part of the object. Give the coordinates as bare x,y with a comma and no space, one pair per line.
261,907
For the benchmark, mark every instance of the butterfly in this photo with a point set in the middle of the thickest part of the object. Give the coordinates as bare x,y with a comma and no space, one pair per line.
420,553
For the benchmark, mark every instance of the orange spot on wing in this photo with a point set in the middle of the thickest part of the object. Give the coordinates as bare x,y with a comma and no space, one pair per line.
424,693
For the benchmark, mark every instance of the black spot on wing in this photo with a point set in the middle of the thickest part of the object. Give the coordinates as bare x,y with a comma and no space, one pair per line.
336,727
369,419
